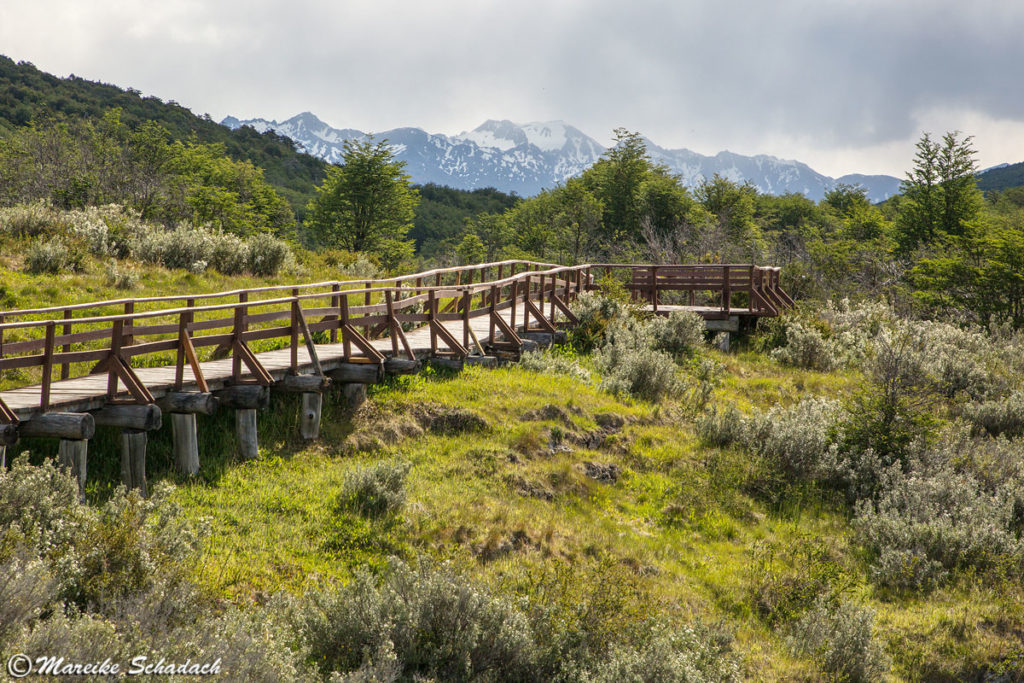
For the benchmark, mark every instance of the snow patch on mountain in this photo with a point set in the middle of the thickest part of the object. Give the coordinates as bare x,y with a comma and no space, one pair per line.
528,158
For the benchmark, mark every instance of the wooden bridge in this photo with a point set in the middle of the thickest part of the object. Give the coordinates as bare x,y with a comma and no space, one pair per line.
122,363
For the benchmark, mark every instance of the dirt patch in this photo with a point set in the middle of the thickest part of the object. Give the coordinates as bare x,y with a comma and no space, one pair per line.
530,489
548,412
604,473
448,420
375,429
610,421
495,548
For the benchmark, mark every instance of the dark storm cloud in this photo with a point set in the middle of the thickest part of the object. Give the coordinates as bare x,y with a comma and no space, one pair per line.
831,74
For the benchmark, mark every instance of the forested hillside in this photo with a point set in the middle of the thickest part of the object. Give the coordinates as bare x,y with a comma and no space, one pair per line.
29,96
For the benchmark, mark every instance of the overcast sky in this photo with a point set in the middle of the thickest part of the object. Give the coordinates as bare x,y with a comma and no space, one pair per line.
844,85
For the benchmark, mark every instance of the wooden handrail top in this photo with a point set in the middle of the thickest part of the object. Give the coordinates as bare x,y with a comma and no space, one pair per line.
271,288
440,291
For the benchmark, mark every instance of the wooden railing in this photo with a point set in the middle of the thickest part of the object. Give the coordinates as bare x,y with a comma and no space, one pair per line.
88,338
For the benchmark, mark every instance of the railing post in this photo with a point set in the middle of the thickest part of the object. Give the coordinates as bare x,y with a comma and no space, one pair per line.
129,309
654,288
431,313
116,339
495,292
240,324
540,296
389,301
467,302
65,367
750,290
294,331
726,290
335,288
44,395
526,308
184,318
513,290
343,320
367,299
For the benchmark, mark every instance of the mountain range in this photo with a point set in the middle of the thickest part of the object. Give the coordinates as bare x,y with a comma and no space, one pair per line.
528,158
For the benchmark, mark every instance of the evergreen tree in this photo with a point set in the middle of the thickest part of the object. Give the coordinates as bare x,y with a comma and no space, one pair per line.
940,194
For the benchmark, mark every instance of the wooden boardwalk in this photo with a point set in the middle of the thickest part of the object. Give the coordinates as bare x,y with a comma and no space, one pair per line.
89,392
189,355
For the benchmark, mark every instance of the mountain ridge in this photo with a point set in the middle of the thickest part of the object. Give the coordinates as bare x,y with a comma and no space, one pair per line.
527,158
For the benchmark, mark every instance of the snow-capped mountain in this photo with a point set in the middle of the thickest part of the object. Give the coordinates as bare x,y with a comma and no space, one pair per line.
528,158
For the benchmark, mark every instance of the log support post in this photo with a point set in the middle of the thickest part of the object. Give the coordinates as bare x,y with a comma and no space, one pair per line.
135,421
353,395
133,459
245,429
72,454
183,408
309,420
186,442
245,399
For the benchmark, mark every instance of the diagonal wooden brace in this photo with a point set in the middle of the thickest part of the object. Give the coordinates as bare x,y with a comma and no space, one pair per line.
131,381
193,362
397,331
310,346
506,329
449,340
545,324
241,351
350,334
564,308
7,415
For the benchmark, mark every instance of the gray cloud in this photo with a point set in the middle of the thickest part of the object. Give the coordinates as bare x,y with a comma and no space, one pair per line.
832,79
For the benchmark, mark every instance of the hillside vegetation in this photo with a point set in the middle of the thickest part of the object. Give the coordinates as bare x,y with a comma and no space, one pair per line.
826,502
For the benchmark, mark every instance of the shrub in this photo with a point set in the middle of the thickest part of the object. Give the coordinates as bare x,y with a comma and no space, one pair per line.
227,254
805,348
838,638
630,366
682,654
795,440
27,587
375,490
1001,416
32,220
554,362
121,278
788,580
721,428
595,313
56,255
266,255
642,373
432,623
680,334
928,525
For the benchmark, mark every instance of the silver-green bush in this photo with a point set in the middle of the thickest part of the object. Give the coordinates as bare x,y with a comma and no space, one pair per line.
838,638
679,334
437,625
1000,416
375,490
55,255
554,363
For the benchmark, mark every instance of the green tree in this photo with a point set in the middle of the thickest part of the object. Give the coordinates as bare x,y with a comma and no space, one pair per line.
366,204
940,194
615,180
